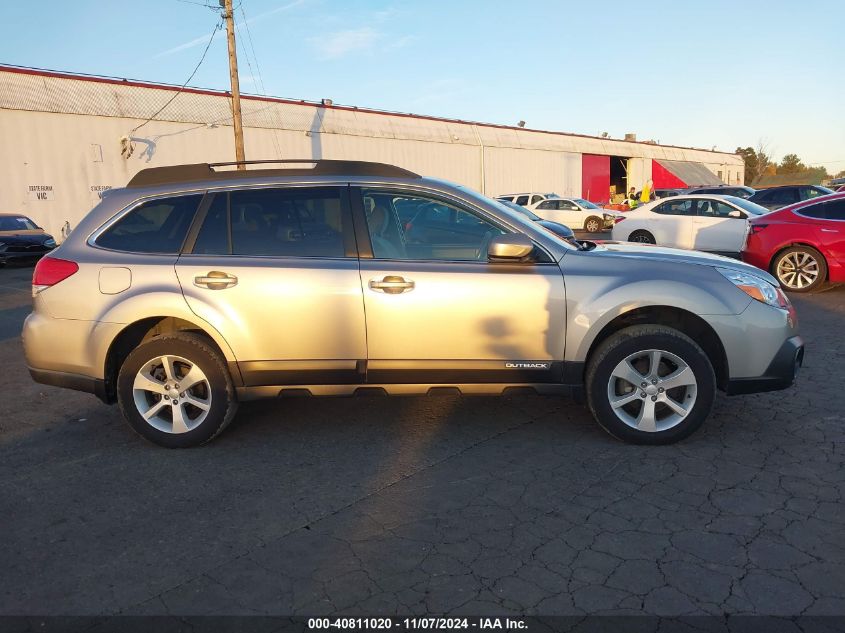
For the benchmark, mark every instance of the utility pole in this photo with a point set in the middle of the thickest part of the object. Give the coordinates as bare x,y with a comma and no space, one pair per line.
228,15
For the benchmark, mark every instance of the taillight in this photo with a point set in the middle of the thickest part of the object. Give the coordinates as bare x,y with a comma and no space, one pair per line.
618,219
51,270
756,228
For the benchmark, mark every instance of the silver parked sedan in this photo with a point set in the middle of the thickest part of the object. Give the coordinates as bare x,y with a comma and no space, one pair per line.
197,287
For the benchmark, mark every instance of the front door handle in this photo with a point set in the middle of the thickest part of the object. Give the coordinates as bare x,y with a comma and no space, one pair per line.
216,280
392,285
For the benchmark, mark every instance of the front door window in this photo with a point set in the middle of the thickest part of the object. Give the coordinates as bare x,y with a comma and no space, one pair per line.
411,226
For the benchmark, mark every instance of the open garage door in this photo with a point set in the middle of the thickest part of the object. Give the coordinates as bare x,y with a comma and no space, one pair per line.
675,174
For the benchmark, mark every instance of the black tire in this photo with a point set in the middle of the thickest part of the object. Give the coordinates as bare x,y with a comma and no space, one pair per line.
592,224
639,338
642,237
218,389
784,270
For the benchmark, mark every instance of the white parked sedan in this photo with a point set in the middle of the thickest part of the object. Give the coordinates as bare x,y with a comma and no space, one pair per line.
718,224
575,213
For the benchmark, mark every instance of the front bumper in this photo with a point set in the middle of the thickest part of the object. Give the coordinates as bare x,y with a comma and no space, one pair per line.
780,373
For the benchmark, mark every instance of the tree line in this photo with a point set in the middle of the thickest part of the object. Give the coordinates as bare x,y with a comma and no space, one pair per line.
761,168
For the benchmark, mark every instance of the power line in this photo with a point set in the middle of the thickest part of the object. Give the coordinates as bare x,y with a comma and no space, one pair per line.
260,84
184,85
252,48
199,4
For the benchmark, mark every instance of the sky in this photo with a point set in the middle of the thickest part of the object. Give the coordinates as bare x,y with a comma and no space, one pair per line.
718,74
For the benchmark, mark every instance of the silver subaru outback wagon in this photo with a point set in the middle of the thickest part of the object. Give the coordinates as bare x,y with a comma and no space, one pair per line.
196,287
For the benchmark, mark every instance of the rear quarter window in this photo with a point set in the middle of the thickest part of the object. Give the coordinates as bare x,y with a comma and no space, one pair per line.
156,226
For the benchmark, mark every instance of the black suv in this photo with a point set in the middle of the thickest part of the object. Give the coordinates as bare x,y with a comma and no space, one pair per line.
777,197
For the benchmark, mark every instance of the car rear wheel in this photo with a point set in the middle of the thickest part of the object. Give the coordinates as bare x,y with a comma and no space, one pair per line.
592,224
800,268
650,384
642,237
175,391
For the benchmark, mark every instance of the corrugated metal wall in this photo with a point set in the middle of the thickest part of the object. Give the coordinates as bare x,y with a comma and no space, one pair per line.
64,133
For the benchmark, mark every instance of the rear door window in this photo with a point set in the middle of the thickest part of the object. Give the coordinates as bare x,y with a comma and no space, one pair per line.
156,226
675,207
835,210
522,200
832,210
292,222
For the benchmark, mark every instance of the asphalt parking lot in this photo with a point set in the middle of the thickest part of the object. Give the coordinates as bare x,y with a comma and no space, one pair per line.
425,505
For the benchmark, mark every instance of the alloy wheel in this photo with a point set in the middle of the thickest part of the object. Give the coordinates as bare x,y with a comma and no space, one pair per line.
652,390
172,394
798,270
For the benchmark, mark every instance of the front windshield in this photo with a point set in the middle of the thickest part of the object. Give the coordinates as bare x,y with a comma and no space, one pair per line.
745,205
19,223
586,204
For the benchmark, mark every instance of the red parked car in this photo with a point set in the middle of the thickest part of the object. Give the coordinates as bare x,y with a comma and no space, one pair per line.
803,245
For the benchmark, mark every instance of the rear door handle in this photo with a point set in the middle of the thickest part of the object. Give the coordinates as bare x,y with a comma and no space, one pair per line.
216,280
391,284
829,231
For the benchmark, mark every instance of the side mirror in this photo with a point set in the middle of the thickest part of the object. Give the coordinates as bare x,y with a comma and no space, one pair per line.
737,214
511,247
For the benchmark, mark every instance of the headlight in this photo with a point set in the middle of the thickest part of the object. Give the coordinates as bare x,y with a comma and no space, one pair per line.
756,288
50,242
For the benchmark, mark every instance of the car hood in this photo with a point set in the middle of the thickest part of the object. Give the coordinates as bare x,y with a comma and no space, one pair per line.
677,256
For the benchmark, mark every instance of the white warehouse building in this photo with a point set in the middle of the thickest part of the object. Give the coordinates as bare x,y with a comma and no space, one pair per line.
61,144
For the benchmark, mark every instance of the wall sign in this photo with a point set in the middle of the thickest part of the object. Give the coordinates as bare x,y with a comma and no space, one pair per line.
40,192
99,189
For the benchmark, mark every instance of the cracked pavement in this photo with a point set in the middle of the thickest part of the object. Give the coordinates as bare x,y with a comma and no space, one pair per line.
446,505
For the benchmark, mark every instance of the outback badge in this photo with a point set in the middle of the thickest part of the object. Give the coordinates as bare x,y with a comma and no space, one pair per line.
527,365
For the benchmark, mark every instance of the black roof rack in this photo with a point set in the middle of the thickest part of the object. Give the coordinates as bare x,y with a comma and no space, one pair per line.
206,171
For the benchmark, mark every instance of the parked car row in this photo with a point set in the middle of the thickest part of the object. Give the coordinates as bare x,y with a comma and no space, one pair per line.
770,197
802,245
575,213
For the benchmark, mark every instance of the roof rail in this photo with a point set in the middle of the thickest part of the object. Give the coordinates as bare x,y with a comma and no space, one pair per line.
206,171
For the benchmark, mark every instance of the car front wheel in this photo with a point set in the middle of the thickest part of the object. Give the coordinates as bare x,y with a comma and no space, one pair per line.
592,224
176,391
650,384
